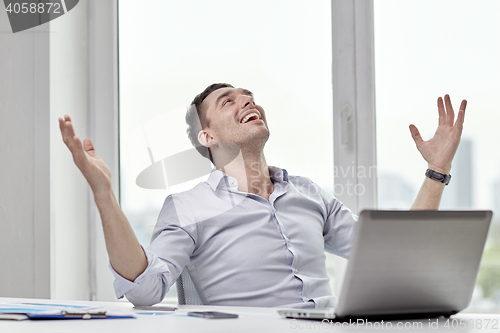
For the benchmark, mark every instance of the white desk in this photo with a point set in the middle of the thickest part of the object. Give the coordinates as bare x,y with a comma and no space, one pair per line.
254,320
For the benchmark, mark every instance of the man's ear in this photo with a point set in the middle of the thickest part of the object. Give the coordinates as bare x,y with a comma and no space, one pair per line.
204,138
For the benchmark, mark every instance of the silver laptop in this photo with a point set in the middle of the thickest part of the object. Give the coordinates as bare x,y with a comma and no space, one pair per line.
409,264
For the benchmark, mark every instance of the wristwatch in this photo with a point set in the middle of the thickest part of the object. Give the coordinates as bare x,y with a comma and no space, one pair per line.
440,177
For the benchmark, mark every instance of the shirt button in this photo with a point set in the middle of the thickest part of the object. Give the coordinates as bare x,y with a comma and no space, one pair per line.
287,239
296,270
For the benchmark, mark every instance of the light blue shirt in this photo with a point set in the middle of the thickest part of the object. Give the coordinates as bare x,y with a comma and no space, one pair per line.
243,250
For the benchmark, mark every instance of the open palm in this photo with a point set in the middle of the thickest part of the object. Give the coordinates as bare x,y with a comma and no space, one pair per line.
93,168
441,148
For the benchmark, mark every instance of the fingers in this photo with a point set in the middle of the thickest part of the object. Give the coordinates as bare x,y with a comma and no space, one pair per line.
78,153
67,130
70,139
88,146
461,115
415,134
68,133
450,115
442,113
61,125
66,127
463,105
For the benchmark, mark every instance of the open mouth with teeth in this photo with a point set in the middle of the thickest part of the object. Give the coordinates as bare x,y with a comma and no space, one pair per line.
250,117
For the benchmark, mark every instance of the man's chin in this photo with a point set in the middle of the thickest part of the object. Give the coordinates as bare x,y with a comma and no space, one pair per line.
255,142
261,133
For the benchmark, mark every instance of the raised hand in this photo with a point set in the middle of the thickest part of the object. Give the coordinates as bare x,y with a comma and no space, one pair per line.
440,149
125,253
93,168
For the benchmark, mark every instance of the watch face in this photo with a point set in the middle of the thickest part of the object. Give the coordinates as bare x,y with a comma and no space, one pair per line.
445,179
438,176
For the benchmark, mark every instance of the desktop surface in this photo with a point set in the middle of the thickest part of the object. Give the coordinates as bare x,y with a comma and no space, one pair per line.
251,319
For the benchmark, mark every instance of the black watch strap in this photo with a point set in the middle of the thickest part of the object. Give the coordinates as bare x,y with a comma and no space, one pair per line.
440,177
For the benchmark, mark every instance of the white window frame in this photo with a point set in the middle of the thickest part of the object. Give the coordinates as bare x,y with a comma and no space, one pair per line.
104,129
354,142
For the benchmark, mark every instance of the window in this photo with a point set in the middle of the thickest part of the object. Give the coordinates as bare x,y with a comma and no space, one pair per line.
170,51
426,49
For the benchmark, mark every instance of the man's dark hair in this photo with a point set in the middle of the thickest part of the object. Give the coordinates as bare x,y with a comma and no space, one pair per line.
196,117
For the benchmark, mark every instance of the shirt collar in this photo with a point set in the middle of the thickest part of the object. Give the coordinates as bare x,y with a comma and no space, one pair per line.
215,178
276,174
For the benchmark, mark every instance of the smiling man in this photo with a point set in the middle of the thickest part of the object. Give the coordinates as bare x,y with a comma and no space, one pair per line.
251,235
232,125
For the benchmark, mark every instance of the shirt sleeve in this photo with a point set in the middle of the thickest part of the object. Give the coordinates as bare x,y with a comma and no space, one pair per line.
168,254
148,288
338,230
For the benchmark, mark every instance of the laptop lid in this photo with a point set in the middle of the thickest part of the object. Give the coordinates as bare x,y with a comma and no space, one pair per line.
413,262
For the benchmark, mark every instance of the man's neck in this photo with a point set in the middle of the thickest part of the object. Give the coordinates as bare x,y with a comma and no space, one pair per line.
251,172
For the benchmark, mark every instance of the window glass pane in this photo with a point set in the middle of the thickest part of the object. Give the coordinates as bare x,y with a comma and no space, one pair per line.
171,50
425,49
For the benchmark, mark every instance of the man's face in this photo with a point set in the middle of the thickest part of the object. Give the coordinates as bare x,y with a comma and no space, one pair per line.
234,117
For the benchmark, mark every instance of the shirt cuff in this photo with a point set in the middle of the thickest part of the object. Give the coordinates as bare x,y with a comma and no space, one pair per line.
123,285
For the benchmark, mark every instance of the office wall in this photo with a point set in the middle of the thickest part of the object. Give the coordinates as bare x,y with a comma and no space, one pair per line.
24,162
